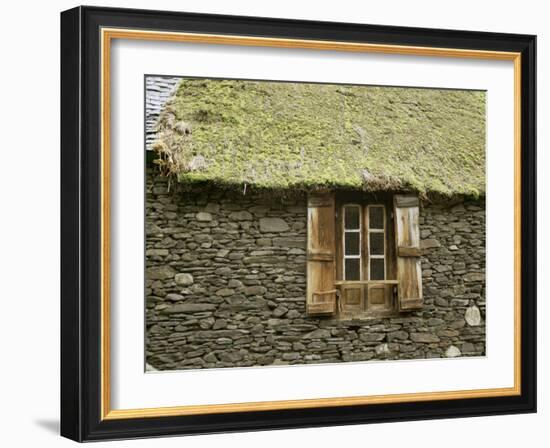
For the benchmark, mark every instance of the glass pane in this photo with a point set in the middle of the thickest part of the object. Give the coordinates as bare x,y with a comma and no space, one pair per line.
352,243
351,218
352,268
376,217
376,243
377,269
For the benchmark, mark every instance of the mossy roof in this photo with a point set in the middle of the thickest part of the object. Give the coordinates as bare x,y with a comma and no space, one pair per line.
303,136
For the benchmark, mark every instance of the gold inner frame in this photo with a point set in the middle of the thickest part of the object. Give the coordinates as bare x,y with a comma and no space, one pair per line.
107,35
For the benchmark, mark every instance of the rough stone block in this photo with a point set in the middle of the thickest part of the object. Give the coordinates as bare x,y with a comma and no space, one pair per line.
189,308
268,225
424,337
183,279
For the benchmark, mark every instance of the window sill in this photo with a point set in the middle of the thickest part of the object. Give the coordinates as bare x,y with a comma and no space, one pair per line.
367,315
366,282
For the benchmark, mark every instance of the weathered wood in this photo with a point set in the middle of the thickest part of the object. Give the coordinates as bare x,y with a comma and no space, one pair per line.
365,244
320,250
408,251
351,298
338,241
411,304
366,282
401,200
320,256
407,235
379,296
322,302
376,294
320,309
391,252
320,200
325,293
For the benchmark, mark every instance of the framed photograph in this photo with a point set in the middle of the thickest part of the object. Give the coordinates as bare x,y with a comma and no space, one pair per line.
273,223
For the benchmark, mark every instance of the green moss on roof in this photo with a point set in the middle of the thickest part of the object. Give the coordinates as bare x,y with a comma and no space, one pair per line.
294,135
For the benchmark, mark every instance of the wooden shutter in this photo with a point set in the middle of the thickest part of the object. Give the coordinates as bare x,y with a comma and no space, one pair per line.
407,238
321,291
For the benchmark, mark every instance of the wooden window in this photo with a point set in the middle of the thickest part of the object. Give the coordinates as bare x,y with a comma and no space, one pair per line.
376,231
352,265
363,254
364,288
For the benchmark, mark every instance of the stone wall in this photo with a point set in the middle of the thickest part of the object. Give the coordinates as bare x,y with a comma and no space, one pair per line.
225,285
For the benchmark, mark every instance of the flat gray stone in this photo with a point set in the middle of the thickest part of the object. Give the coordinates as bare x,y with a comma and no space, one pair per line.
211,357
456,324
372,337
472,316
160,272
263,241
293,314
273,225
318,334
280,311
434,321
219,324
295,242
240,216
230,357
401,335
225,292
296,251
430,243
453,352
474,277
207,323
203,217
234,283
255,290
183,279
212,208
424,337
382,349
156,252
261,253
174,297
189,308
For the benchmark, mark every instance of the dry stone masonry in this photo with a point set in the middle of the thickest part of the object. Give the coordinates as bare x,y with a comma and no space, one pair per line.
226,284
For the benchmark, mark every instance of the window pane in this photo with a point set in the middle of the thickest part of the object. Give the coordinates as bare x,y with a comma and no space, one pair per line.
352,268
376,217
351,217
352,243
377,269
376,243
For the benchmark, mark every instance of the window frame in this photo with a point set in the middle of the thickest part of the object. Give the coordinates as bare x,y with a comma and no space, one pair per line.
359,230
364,230
368,230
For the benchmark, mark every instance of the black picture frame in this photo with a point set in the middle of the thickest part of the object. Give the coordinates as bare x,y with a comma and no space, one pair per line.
81,224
